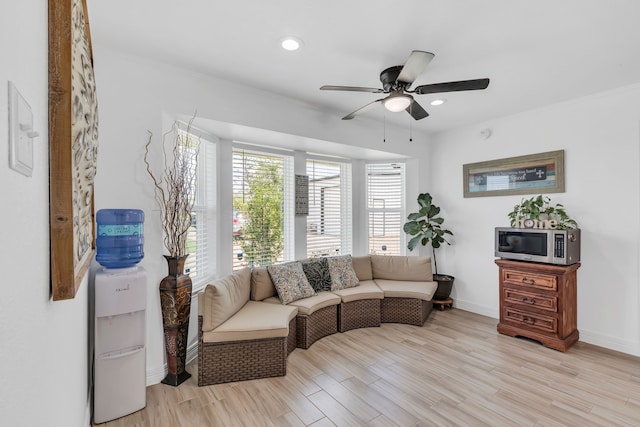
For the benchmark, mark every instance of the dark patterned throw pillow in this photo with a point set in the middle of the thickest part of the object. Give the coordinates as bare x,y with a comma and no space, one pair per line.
317,272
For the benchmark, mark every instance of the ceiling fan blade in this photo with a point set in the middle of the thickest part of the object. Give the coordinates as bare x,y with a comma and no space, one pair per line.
452,86
415,65
416,110
352,88
362,110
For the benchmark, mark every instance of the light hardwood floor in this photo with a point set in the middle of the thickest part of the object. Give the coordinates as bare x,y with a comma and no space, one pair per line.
456,370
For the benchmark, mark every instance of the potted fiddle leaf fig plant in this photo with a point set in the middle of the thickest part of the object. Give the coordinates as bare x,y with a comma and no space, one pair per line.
426,228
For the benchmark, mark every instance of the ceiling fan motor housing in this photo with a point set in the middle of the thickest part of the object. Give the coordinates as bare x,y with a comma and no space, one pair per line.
388,78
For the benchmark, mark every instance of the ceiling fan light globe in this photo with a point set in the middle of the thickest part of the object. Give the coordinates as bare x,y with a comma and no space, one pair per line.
397,103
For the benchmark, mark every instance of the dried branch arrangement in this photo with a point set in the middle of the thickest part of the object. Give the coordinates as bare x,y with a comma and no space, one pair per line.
175,186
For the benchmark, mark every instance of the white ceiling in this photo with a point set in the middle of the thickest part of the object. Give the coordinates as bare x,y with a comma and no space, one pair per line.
536,53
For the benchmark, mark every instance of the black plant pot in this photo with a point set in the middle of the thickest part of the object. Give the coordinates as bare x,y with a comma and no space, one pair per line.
445,284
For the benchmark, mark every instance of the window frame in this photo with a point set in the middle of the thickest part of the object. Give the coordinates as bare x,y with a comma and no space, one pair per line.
344,205
288,253
204,207
401,210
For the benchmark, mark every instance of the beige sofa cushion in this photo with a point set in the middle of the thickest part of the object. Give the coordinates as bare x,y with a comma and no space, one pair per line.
255,320
261,284
224,297
412,268
407,289
367,290
362,267
308,306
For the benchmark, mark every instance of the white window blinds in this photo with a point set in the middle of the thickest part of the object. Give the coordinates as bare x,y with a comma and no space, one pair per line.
200,264
262,208
385,208
329,220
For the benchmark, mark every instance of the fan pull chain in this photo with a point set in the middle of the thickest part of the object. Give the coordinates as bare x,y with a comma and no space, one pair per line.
411,127
410,120
384,131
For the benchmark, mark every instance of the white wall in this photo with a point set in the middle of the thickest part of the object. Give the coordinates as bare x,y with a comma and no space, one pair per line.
600,136
44,351
43,344
135,95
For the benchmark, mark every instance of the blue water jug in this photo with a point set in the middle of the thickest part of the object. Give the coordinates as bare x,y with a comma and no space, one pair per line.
120,240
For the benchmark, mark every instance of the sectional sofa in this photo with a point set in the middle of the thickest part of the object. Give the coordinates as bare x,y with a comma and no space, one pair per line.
251,320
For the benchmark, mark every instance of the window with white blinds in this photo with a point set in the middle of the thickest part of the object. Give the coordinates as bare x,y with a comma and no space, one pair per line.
329,220
385,208
200,264
263,208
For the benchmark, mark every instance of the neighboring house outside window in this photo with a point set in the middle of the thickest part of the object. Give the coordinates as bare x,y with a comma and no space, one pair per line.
386,208
329,220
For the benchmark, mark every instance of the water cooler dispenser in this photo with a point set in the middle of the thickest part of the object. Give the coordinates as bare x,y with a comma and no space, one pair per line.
120,327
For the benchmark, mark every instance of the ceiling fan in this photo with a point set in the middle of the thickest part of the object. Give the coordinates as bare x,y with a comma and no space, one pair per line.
396,81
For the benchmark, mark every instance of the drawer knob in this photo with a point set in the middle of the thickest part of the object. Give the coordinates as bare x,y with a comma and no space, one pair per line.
529,281
528,320
531,301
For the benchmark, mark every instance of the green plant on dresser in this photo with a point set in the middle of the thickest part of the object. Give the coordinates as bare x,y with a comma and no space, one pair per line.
539,208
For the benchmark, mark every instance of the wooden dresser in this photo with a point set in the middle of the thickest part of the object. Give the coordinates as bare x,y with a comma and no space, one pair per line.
538,301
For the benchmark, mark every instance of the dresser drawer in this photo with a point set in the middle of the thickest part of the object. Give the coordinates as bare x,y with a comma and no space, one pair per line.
531,321
543,302
538,281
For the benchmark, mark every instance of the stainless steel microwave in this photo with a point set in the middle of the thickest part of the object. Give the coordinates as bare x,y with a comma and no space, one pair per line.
560,247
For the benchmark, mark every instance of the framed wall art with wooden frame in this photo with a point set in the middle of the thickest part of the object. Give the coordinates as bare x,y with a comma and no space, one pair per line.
73,145
530,174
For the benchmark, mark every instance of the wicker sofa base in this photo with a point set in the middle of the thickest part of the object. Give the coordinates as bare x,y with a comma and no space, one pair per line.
359,314
292,339
319,324
411,311
223,362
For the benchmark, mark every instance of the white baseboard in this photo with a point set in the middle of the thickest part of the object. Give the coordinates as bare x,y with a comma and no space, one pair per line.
623,346
192,352
87,412
475,308
156,375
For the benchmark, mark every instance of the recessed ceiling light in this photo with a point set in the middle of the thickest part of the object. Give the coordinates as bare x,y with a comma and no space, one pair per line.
436,102
291,43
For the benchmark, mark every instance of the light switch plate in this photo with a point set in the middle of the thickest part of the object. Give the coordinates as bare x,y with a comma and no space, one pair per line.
21,133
